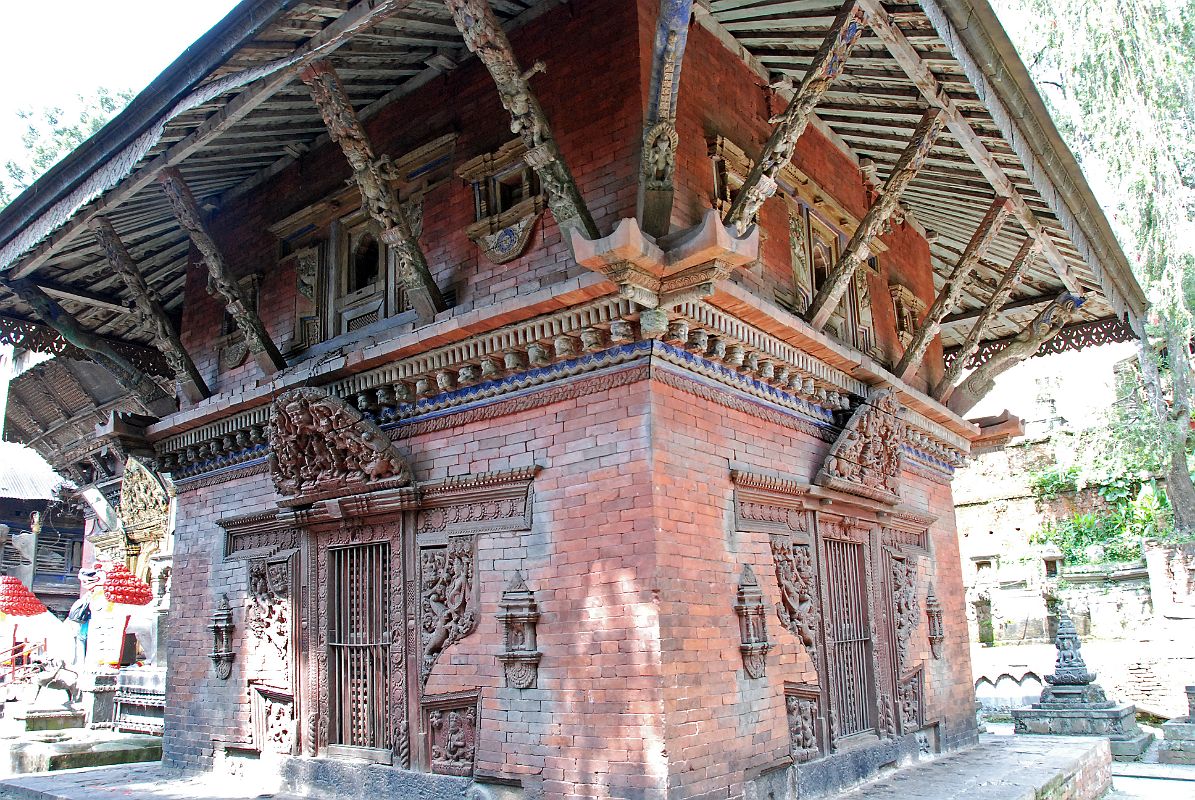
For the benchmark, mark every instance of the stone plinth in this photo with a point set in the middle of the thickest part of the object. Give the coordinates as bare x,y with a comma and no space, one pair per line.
51,719
140,699
99,696
1178,741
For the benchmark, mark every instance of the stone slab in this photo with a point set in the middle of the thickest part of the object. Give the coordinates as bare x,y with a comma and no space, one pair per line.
1179,729
1118,723
140,781
51,720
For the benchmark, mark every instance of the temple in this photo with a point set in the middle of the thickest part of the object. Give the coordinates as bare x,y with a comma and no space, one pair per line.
544,399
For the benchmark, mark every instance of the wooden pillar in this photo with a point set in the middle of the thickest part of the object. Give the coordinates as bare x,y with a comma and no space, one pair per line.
826,66
857,250
186,211
1011,277
98,349
369,173
484,36
1045,326
659,134
149,312
985,234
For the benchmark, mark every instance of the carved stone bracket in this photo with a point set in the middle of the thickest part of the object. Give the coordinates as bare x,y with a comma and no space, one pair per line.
517,613
866,458
322,447
753,626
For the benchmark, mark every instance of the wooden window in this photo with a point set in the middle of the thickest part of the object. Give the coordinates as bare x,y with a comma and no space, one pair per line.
507,200
359,645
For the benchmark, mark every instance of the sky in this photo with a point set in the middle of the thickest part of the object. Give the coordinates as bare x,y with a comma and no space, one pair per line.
80,45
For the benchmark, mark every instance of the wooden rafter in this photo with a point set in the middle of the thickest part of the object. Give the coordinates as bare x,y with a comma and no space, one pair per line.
186,211
484,36
97,348
1008,281
918,71
857,250
659,134
1024,302
341,30
826,66
149,312
956,282
379,199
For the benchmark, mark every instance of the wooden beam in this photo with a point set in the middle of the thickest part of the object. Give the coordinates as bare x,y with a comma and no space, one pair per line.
484,36
186,211
1025,302
149,312
361,16
87,298
377,195
919,73
1046,325
956,282
660,141
1008,281
859,247
827,64
98,349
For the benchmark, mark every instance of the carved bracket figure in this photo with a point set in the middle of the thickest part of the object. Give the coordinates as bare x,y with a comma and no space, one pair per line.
517,613
797,579
447,601
867,456
222,654
753,627
322,447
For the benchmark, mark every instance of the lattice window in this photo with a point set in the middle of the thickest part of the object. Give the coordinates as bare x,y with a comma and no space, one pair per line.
848,631
359,645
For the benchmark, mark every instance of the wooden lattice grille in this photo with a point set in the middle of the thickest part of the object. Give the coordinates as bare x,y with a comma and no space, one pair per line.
849,632
359,645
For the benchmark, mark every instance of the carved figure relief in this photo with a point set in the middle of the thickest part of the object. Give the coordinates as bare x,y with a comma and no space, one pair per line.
274,724
308,290
446,601
804,742
320,446
908,308
905,615
753,627
909,701
452,732
798,243
518,612
795,575
866,458
144,513
659,155
268,618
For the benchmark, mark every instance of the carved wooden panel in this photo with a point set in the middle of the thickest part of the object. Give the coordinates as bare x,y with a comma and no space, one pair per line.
274,724
806,724
909,700
450,723
447,598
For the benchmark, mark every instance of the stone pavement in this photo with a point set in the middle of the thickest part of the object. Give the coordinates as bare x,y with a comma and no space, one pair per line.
134,782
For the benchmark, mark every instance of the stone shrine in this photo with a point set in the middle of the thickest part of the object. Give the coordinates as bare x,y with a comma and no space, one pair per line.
1178,736
1072,704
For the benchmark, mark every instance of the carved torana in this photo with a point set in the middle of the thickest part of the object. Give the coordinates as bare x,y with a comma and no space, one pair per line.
321,446
144,513
867,456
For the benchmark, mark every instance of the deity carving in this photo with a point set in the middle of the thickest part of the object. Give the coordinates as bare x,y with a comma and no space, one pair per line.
452,733
908,701
319,444
659,155
795,575
802,726
904,606
268,616
866,458
753,629
447,605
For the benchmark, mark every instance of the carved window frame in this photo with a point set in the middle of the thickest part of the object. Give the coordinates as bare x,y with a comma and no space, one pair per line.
231,348
502,230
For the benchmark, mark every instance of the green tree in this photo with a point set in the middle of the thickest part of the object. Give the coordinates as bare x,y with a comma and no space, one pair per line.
51,133
1119,78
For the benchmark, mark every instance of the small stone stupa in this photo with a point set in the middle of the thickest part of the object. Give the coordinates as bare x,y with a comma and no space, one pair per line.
1072,704
1178,735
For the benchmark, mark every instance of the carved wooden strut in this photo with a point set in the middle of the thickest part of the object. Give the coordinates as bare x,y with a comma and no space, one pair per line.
1008,281
149,312
372,177
186,211
857,250
985,234
97,348
659,135
826,66
484,36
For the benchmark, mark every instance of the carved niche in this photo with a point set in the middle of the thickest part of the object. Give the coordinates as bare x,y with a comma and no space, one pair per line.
447,597
753,627
867,456
144,513
518,612
222,654
933,614
802,704
507,201
322,447
797,579
451,725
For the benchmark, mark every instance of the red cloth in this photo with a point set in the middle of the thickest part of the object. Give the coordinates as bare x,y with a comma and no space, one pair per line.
18,601
122,586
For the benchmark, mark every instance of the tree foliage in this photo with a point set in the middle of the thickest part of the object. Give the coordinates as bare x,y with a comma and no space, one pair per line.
52,132
1119,79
